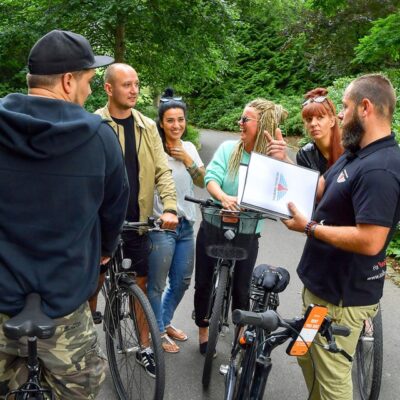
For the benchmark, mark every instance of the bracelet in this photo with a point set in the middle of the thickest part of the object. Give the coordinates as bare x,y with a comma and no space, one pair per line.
192,167
171,211
310,228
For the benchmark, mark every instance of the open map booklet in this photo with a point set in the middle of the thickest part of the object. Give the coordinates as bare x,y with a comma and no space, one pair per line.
268,185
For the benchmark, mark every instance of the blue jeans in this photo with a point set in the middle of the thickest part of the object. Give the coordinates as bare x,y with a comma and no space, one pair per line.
172,256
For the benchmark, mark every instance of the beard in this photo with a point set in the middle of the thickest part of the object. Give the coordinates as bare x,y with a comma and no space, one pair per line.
352,134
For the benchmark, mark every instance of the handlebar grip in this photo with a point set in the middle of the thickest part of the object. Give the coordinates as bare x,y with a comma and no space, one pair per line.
193,200
204,203
340,330
267,320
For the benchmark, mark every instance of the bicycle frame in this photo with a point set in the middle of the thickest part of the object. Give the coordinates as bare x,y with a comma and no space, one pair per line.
230,264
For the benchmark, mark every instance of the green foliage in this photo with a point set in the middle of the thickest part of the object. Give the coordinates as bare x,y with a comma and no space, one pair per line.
393,249
168,42
381,46
192,135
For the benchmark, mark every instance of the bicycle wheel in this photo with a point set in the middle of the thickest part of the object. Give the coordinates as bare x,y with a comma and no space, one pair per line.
216,321
130,327
245,372
369,355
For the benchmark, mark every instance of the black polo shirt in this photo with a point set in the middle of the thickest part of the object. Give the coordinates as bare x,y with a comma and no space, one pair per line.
359,189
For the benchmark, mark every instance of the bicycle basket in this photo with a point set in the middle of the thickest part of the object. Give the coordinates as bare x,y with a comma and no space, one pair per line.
219,242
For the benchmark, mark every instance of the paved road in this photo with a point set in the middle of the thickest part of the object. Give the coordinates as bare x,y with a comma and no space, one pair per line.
278,246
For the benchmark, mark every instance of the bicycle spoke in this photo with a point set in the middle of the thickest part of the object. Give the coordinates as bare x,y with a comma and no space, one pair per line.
127,318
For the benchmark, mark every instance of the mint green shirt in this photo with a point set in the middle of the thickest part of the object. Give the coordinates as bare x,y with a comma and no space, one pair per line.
217,169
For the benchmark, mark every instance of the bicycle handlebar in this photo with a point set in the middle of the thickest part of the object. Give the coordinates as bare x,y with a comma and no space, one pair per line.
152,224
204,203
267,320
270,321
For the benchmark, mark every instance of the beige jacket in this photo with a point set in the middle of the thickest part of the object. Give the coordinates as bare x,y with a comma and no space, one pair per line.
154,171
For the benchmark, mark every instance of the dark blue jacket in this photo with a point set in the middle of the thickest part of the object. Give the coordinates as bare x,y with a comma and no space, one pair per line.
63,198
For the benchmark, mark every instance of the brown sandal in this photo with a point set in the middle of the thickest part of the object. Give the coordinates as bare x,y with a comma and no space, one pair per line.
168,344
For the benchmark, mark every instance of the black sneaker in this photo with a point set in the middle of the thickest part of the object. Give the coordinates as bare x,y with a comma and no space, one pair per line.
146,359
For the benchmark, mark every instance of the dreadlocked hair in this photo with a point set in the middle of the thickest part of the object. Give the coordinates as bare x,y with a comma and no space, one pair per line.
270,116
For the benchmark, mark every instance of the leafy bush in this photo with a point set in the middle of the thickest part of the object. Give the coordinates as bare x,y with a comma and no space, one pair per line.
192,135
393,249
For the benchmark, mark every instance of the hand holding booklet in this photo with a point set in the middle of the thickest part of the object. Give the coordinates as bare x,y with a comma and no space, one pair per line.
268,185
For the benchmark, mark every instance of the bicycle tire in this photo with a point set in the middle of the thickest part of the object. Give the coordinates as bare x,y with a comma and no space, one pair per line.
245,373
215,324
369,357
130,379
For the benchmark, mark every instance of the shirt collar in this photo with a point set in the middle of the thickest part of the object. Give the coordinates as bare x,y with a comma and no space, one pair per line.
386,141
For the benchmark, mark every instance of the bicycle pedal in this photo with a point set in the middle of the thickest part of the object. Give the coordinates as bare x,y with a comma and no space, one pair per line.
223,369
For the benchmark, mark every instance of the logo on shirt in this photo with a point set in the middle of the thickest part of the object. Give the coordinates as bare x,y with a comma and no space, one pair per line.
342,177
280,188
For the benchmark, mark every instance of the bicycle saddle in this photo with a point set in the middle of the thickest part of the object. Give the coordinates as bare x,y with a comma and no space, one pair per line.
273,279
31,321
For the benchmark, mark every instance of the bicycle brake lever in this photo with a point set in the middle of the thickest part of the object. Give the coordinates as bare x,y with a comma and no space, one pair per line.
332,348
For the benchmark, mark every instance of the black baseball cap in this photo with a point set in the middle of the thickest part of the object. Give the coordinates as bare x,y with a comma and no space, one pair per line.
59,51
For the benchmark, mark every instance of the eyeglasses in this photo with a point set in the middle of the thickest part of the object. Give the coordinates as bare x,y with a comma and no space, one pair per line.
167,99
243,119
319,99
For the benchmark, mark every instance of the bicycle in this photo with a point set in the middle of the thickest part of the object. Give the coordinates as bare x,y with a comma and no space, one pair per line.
228,235
255,338
369,358
31,323
267,283
132,336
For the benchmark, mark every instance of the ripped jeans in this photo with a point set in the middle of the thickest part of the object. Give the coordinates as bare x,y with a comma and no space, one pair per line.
172,256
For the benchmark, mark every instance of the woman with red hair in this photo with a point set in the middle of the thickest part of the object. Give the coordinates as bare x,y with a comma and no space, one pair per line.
321,123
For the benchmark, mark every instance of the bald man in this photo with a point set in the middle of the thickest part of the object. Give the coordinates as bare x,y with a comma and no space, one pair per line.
145,162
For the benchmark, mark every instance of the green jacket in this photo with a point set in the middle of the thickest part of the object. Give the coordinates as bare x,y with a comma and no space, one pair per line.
154,171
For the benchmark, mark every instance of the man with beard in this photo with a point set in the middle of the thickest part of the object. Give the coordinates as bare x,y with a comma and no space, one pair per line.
343,263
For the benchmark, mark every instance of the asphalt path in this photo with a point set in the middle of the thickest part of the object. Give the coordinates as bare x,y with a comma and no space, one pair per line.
280,247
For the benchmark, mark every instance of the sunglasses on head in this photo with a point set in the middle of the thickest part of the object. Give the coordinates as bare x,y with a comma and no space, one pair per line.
319,99
243,119
167,99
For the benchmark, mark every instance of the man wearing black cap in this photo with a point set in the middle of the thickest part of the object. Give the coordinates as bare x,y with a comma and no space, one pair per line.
63,199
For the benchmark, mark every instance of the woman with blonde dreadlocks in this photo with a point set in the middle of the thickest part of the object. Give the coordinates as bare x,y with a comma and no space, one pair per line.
221,180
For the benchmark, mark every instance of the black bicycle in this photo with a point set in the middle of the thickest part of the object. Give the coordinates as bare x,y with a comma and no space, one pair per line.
133,343
33,324
228,234
369,358
255,337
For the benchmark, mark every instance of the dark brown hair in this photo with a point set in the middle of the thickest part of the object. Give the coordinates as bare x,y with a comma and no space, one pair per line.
320,109
376,88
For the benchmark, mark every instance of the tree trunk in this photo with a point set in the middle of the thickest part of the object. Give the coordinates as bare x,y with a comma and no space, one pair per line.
120,43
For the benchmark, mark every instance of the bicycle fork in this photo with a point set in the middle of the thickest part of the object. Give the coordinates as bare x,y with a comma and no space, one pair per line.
262,370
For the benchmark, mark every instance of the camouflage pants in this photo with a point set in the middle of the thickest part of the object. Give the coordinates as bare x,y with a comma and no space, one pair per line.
73,364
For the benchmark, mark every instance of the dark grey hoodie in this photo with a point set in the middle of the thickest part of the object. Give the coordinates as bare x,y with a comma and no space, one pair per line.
63,198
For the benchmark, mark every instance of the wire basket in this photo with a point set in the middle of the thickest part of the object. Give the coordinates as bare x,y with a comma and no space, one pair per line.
228,236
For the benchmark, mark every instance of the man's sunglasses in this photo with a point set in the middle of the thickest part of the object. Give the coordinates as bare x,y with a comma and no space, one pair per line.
167,99
243,119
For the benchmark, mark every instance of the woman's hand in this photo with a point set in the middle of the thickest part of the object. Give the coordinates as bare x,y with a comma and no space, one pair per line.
179,153
277,147
229,202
